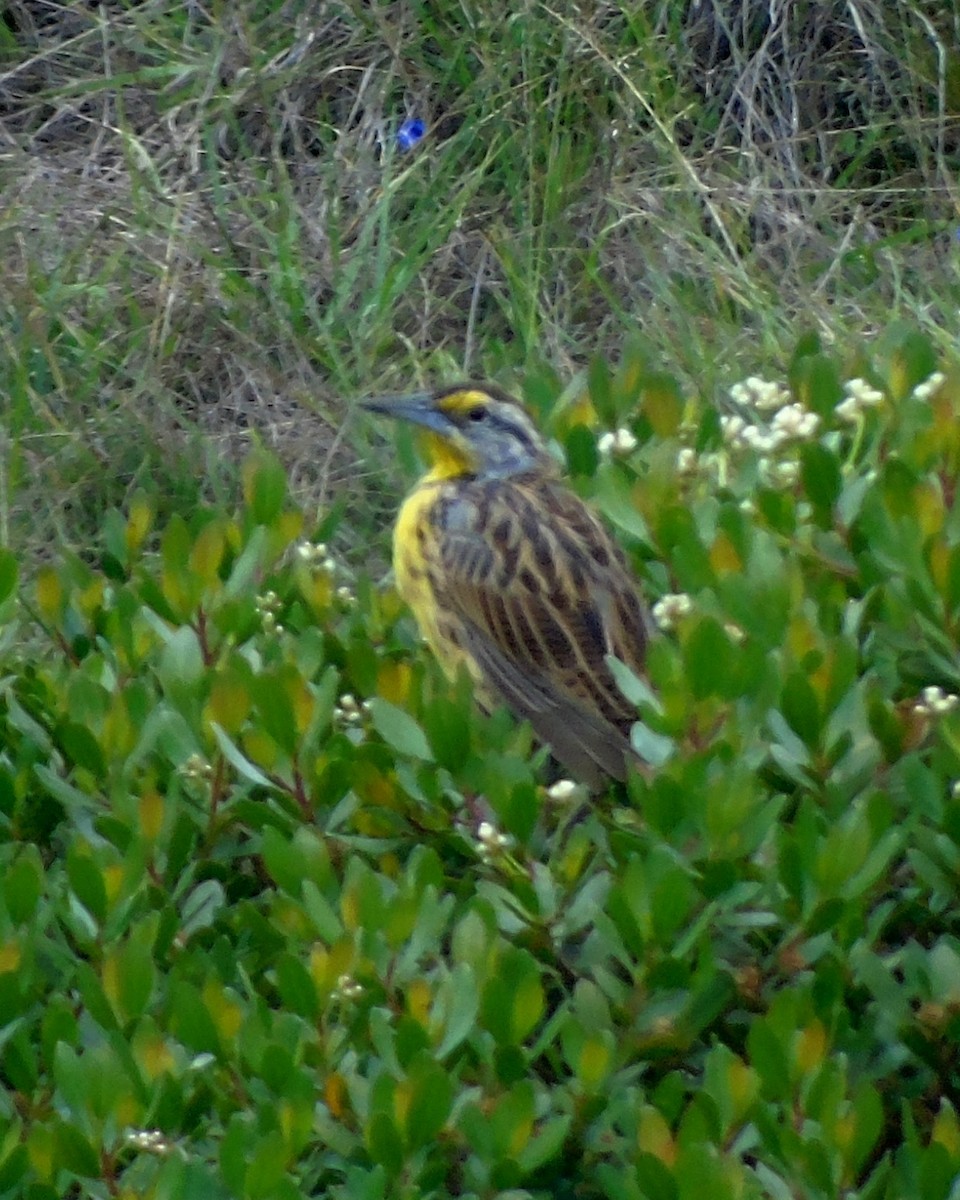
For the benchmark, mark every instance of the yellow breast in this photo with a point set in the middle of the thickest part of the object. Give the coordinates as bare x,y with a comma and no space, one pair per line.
418,574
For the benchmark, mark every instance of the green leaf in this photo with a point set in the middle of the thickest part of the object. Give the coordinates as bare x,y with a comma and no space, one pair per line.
23,885
271,695
323,918
513,999
944,970
94,999
446,721
181,667
201,906
267,1166
512,1120
868,1117
238,760
546,1145
74,1153
616,501
807,343
801,708
291,861
264,487
235,1153
9,574
656,749
594,1060
822,480
297,989
398,729
70,1075
190,1019
14,1163
86,880
600,386
634,688
815,380
655,1178
166,730
430,1101
580,446
768,1057
708,660
248,566
136,971
384,1143
662,403
362,1183
910,356
81,747
462,1002
77,802
175,545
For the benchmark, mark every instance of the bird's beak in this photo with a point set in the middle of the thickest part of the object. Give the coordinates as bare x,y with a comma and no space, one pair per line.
419,408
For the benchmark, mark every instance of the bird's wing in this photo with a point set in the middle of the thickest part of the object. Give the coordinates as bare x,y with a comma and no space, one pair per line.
543,595
589,746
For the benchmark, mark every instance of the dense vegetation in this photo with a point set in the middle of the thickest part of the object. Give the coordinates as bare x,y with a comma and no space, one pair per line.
280,914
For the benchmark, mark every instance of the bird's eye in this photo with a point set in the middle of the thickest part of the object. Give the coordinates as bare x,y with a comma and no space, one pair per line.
477,414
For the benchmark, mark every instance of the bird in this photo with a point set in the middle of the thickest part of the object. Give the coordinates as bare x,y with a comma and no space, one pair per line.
510,574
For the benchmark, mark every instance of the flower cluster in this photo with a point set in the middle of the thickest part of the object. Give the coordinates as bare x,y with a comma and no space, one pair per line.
268,605
564,791
347,711
196,768
935,702
762,395
670,609
779,473
317,557
318,560
491,843
152,1141
616,445
859,396
348,988
781,422
932,383
793,422
767,421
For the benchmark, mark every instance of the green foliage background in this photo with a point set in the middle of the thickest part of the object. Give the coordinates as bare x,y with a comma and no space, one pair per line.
280,915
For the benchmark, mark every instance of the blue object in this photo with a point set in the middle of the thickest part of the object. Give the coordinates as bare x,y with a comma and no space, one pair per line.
410,132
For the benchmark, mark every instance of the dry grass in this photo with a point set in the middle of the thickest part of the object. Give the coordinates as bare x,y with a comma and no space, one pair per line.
207,234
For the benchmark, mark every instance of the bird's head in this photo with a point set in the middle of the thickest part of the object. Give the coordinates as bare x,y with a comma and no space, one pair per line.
471,429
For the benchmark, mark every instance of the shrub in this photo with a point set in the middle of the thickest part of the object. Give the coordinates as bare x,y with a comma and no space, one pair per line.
281,916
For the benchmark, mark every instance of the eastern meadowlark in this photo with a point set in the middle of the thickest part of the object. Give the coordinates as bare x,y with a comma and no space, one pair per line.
509,573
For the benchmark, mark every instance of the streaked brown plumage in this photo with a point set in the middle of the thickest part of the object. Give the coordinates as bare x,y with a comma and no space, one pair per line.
508,572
